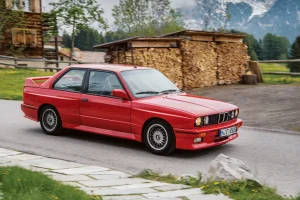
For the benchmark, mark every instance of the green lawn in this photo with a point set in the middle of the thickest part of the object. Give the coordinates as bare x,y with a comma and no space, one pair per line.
277,79
21,184
269,67
12,81
236,190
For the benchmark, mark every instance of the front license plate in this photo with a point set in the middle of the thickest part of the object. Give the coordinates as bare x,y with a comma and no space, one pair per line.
228,131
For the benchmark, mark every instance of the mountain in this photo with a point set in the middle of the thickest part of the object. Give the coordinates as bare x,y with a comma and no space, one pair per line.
257,17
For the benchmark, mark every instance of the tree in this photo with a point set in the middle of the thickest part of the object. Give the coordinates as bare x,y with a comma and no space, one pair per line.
87,38
77,14
10,19
253,45
66,40
146,17
295,54
274,46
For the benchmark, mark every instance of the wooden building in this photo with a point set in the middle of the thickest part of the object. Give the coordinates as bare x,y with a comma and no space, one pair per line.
29,35
190,58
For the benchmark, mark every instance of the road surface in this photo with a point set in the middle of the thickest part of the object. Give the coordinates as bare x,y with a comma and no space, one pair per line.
272,156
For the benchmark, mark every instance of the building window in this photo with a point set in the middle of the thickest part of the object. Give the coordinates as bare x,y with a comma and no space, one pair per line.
61,58
25,5
26,37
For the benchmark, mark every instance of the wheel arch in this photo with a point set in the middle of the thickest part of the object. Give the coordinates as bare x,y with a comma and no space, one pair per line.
151,119
41,108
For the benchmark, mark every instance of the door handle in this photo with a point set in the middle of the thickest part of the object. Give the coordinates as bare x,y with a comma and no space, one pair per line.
84,100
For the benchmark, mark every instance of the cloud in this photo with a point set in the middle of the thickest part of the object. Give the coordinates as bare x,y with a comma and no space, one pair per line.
107,6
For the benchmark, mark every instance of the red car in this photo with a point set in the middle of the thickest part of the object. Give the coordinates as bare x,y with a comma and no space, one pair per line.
136,103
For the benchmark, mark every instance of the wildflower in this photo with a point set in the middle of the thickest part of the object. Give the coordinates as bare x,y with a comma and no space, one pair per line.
175,177
19,180
223,181
253,191
202,187
216,183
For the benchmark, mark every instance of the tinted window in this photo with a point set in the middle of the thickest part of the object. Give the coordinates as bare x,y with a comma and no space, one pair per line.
103,83
71,81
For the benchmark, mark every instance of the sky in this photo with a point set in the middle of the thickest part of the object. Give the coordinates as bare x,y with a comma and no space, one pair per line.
107,5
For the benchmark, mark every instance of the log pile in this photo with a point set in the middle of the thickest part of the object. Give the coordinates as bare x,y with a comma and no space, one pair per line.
166,60
195,64
232,62
199,64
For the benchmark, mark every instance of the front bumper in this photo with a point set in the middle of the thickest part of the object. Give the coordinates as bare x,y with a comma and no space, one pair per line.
185,137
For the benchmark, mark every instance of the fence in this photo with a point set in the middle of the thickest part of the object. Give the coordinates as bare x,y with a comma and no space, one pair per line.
27,63
255,68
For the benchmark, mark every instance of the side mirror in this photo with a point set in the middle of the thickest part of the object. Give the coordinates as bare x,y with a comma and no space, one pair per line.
120,93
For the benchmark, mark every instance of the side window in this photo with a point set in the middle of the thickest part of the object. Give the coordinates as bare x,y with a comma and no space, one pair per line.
103,83
71,81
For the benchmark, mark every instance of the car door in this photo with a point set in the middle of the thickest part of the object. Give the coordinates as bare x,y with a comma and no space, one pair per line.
65,95
99,108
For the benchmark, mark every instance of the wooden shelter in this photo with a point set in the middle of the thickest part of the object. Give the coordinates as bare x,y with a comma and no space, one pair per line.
190,58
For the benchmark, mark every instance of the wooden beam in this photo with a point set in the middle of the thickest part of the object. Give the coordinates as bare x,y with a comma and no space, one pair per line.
228,39
280,61
282,73
149,44
203,38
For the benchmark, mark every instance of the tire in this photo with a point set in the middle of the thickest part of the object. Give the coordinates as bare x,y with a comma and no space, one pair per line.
50,121
159,138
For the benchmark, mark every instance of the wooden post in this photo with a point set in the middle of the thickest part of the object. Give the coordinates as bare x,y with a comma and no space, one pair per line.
255,69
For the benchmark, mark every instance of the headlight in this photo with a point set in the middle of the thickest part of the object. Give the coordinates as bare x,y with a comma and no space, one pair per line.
236,113
233,114
206,120
198,121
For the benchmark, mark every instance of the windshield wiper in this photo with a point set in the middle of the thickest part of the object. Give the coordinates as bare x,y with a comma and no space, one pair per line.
147,92
170,91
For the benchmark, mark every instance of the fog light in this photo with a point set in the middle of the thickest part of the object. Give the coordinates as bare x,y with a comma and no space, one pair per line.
197,140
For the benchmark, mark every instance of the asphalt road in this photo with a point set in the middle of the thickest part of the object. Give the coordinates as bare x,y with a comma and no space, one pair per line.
272,156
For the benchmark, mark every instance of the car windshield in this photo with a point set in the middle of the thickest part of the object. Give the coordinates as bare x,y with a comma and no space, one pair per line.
148,82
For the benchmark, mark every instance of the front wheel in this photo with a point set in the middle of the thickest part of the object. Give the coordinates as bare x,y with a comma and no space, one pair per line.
159,137
50,121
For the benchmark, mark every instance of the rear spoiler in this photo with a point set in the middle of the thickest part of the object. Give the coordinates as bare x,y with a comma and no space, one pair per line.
36,81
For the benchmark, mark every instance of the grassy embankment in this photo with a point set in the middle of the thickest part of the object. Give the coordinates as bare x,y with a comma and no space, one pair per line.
21,184
236,190
12,81
277,79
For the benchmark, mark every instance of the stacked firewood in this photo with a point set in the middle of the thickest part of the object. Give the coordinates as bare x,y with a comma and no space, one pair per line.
195,64
232,62
166,60
199,64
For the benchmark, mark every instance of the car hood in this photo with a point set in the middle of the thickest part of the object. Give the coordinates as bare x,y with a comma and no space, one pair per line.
196,105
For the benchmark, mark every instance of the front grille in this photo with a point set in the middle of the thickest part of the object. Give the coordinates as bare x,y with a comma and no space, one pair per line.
220,118
223,117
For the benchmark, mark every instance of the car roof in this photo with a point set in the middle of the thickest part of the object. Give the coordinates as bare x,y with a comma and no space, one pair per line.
109,67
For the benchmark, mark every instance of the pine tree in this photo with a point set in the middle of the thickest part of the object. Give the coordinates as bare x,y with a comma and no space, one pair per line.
66,40
295,54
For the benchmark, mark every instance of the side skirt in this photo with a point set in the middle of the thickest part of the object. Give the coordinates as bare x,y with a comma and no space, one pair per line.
118,134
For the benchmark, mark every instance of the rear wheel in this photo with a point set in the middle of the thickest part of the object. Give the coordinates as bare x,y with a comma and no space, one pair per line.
50,121
159,137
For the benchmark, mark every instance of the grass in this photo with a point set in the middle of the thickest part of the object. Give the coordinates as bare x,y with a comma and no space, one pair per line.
277,79
268,67
237,190
12,81
21,184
